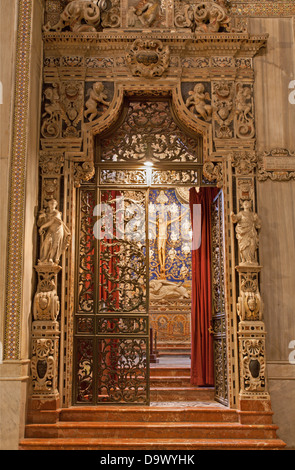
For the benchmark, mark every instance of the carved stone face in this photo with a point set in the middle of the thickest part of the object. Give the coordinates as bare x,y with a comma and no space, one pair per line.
252,303
52,205
246,204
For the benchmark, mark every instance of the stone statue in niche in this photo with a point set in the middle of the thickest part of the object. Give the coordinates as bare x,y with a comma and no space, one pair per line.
248,226
96,95
198,100
54,234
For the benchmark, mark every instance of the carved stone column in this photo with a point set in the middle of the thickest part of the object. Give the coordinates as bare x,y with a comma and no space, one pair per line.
251,328
45,334
54,238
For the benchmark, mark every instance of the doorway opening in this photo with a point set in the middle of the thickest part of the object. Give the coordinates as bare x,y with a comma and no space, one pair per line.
133,277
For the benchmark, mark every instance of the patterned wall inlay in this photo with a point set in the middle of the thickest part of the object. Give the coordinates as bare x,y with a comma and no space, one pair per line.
17,184
263,8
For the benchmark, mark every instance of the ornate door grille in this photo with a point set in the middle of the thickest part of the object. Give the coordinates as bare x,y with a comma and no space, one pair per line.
111,346
111,321
218,296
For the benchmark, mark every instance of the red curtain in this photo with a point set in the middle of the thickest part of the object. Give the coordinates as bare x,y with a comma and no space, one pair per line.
202,367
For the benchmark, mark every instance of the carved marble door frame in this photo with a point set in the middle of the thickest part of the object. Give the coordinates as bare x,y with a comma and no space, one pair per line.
209,80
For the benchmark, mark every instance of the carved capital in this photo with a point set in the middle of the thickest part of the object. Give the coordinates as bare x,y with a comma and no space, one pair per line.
213,172
244,163
83,172
51,163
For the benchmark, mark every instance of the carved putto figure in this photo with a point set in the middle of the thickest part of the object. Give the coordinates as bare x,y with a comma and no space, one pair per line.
244,112
248,226
54,234
96,96
50,125
198,101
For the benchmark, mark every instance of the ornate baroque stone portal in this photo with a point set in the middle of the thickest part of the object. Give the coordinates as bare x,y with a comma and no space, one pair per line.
200,56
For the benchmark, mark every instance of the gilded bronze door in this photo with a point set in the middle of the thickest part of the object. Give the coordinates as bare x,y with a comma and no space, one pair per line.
111,321
218,301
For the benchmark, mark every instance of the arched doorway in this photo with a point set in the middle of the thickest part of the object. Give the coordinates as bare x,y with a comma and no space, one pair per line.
130,276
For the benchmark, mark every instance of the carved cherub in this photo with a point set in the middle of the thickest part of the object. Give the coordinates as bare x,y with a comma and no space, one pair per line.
244,104
52,106
96,95
248,226
197,100
54,234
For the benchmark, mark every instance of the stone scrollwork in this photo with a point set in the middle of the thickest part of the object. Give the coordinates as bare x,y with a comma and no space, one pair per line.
79,16
223,109
203,17
46,302
244,163
44,366
148,58
72,98
87,16
249,305
253,358
83,171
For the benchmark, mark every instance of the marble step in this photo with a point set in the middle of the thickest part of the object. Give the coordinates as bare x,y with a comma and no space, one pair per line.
150,444
175,371
135,430
166,381
168,393
170,412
